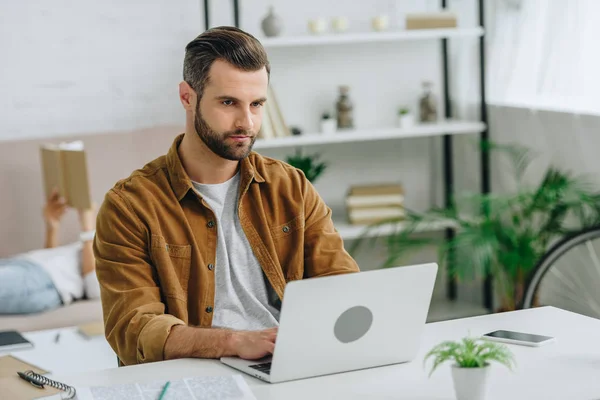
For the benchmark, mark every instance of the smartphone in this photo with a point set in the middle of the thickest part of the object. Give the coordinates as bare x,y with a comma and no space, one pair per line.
524,339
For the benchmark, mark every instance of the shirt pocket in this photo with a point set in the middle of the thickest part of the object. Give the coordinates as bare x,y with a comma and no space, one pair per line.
172,263
288,239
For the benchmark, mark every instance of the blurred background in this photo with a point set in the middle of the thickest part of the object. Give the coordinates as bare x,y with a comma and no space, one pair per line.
392,94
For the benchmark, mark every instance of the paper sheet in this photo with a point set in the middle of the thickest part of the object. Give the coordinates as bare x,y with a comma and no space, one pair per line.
228,387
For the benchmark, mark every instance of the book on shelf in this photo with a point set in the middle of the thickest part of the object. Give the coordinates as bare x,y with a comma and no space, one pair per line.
64,168
367,204
431,20
273,123
366,216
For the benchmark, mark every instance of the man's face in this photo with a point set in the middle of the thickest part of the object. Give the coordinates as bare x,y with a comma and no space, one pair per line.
229,114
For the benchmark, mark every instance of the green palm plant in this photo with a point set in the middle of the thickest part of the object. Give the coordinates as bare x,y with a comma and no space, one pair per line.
309,164
502,234
469,353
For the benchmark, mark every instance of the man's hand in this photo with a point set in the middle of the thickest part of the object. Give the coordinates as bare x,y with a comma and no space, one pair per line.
252,345
54,210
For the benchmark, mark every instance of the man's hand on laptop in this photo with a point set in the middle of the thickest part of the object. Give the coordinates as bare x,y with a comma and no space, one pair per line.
252,345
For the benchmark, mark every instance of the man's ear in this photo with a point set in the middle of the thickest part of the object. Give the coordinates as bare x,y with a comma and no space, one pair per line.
187,96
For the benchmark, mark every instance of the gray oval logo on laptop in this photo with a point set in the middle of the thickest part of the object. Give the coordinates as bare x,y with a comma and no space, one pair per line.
353,324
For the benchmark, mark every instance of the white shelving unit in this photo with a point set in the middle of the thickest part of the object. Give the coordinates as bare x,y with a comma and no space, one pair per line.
351,232
370,135
370,37
442,309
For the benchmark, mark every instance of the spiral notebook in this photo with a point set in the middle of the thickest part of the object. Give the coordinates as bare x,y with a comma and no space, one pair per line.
16,388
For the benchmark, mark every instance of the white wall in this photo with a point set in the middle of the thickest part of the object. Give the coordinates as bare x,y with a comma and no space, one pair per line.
78,67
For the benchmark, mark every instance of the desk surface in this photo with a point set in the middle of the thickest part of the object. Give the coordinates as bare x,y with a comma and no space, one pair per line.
567,369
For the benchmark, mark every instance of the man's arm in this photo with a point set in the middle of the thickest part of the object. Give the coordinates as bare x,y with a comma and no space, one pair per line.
185,341
324,252
136,325
135,322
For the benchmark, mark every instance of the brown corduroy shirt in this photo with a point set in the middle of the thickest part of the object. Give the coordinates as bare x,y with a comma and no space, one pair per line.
156,241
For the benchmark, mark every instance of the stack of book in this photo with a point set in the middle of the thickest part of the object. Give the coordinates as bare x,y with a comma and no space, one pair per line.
431,20
273,124
370,204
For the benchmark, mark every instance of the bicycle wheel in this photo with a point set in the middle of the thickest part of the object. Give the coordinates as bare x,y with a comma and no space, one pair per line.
568,276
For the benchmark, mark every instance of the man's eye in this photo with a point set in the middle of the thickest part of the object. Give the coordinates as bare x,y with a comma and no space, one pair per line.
257,104
227,102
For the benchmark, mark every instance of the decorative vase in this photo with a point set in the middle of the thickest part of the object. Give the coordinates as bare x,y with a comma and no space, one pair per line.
339,24
272,24
406,120
470,383
428,104
317,26
345,109
380,23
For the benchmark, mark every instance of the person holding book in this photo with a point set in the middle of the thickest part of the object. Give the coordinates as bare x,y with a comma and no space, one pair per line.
48,278
194,250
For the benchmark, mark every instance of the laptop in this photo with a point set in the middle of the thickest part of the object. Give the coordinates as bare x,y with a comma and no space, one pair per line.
347,322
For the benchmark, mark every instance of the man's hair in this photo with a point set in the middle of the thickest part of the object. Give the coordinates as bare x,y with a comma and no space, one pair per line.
226,43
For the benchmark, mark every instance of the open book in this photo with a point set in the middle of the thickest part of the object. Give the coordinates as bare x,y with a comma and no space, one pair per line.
64,167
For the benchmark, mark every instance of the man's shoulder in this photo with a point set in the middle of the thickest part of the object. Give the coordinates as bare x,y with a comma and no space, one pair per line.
274,170
151,176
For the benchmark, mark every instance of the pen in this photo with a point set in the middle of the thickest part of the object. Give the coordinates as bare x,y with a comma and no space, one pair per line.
164,390
29,379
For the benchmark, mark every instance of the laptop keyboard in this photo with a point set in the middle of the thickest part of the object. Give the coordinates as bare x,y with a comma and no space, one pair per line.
265,367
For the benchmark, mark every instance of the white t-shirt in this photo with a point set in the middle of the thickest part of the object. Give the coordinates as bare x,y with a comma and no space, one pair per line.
63,264
240,289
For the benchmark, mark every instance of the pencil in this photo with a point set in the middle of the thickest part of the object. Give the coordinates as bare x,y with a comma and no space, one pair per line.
164,390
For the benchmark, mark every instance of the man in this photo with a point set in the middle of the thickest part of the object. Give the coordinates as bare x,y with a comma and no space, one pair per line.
194,250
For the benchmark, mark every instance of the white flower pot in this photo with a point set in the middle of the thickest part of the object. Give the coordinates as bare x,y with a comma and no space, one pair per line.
328,126
406,120
470,383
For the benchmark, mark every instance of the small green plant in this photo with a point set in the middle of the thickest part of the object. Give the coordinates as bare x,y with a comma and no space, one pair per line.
309,164
403,111
470,353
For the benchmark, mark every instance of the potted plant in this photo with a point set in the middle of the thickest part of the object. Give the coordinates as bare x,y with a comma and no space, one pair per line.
309,164
471,364
328,124
504,235
405,118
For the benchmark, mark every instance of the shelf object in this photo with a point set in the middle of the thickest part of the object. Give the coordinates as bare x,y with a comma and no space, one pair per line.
370,135
351,232
369,37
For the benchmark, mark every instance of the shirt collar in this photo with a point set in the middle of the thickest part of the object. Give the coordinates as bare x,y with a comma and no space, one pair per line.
181,182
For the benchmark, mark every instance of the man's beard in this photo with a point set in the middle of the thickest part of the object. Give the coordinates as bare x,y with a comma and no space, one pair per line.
215,141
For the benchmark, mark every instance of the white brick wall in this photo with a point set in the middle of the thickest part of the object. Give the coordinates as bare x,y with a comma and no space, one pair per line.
77,67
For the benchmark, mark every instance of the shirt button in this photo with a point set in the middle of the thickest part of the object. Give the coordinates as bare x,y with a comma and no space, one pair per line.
211,267
209,309
286,229
210,224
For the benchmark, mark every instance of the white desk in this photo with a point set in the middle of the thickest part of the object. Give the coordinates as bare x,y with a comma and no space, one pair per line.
568,369
71,354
